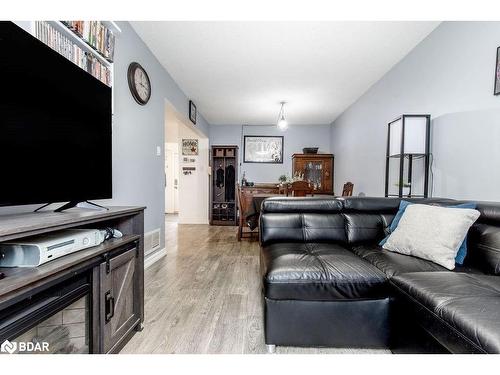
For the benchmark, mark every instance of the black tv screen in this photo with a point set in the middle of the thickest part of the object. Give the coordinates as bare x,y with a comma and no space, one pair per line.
55,125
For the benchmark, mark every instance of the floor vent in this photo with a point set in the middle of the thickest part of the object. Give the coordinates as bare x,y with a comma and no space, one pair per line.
151,241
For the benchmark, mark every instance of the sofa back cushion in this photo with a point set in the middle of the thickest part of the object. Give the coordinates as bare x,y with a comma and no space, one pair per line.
352,221
365,227
301,220
484,239
365,220
368,219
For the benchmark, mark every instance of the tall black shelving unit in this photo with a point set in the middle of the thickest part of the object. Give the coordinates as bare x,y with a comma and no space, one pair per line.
223,190
408,142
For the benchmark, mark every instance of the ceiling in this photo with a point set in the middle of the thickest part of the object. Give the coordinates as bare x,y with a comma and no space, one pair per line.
238,72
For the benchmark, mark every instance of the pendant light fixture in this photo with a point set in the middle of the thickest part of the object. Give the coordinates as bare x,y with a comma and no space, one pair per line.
282,123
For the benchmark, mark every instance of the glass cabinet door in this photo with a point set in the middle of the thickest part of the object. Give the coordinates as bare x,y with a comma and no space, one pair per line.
313,173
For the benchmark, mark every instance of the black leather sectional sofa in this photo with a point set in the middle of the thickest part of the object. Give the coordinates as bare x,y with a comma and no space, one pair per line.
326,282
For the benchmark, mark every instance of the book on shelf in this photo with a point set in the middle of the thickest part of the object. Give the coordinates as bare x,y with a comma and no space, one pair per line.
95,34
67,48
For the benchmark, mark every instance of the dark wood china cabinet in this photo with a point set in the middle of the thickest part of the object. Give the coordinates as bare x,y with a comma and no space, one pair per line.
317,169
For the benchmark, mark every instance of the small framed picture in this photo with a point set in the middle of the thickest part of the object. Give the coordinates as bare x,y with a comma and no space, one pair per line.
497,73
192,112
189,147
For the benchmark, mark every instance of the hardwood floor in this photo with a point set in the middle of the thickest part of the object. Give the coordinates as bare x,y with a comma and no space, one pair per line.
204,296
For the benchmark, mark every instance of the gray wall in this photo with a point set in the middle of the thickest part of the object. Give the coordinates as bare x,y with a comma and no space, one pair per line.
138,174
450,75
295,138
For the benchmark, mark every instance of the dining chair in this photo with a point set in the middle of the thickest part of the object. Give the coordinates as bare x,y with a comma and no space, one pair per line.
283,189
347,190
244,201
300,189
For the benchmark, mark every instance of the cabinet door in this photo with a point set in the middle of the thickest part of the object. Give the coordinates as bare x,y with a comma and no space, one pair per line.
318,171
313,173
119,294
328,176
298,165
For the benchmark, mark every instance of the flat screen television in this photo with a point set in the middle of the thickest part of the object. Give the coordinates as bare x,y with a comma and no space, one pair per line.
55,125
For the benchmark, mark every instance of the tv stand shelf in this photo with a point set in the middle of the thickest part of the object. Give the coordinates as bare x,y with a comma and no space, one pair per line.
32,223
21,278
116,266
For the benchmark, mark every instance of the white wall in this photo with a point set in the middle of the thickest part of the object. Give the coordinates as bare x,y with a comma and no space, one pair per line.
295,138
171,174
450,75
194,187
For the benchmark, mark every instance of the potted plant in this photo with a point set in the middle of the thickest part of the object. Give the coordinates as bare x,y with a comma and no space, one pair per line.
283,179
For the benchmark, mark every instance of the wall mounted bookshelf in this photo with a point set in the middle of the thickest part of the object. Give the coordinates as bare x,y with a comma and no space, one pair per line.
66,41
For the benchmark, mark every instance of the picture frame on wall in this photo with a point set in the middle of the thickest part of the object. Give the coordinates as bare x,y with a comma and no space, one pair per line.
189,147
192,112
497,73
263,149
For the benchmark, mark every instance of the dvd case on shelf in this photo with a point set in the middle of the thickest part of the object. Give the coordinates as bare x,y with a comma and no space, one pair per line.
96,35
67,48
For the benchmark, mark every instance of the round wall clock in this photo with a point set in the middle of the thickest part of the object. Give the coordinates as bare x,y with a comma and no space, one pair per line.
139,84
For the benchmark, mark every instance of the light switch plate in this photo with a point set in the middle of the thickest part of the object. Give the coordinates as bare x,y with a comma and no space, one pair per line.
158,150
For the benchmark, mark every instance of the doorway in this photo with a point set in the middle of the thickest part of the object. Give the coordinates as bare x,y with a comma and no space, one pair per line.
186,169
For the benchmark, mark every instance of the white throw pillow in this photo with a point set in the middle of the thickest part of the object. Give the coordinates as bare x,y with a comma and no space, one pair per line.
432,233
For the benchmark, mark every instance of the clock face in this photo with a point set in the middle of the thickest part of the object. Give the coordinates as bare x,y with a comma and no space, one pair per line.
139,83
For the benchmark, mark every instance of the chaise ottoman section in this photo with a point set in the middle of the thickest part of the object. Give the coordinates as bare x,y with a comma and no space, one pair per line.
321,294
318,272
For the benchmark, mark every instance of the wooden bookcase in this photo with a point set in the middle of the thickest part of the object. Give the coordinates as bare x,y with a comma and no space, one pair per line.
224,161
317,170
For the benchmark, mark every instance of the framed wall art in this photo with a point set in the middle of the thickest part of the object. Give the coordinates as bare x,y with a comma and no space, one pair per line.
189,147
192,112
263,149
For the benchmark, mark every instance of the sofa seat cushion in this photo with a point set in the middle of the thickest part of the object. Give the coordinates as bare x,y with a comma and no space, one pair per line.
392,263
467,304
318,272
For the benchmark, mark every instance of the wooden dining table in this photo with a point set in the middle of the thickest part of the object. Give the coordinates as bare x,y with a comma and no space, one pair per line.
253,213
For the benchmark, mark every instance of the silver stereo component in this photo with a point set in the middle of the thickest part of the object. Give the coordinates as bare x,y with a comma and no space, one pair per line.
37,250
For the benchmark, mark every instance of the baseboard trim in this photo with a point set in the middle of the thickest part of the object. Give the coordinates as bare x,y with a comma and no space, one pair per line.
151,251
154,257
195,221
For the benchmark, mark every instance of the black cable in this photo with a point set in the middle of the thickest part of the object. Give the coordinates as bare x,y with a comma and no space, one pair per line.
109,233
